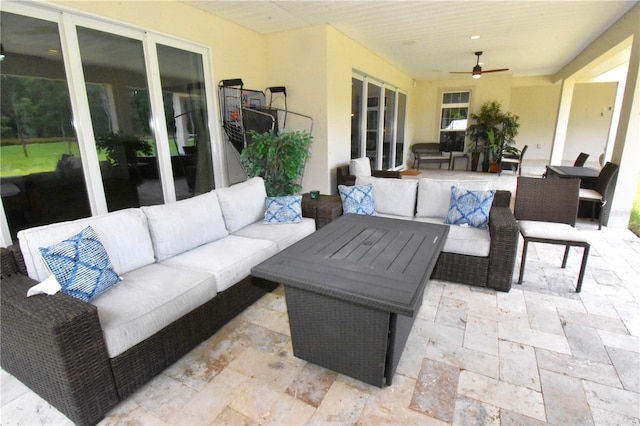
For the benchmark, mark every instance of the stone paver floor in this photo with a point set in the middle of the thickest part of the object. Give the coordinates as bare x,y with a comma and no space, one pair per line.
538,354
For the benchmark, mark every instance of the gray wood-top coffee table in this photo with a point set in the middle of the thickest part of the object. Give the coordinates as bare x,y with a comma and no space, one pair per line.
353,289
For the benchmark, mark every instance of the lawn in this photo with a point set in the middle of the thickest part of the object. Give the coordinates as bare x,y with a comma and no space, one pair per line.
43,157
634,221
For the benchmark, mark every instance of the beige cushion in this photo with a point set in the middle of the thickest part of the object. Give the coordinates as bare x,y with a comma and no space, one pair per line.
146,301
360,167
590,194
434,195
123,233
465,240
392,196
183,225
283,234
229,259
550,231
243,203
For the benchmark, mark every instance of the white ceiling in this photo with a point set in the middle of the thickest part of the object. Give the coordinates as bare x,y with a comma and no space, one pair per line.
427,39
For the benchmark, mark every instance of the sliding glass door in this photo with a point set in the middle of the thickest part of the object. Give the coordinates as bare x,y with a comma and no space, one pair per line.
118,118
378,113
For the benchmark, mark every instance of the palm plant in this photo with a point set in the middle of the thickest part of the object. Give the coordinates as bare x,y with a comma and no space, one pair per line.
496,130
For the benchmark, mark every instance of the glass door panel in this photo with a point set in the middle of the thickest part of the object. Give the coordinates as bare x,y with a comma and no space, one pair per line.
373,116
40,164
389,113
116,84
356,116
183,89
402,106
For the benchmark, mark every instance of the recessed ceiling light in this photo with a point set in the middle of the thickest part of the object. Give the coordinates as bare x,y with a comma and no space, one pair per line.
475,37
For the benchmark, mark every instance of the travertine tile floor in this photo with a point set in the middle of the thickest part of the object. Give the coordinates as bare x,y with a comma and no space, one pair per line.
538,354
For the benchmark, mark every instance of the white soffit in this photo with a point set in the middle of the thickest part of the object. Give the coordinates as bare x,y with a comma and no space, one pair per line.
427,39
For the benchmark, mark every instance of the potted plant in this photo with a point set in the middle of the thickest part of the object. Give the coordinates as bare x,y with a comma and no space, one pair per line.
496,129
279,158
122,153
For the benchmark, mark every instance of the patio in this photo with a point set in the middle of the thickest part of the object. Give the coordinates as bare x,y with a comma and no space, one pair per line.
538,354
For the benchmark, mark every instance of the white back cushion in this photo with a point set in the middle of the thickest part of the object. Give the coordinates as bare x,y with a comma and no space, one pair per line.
360,167
123,233
242,203
434,196
183,225
392,196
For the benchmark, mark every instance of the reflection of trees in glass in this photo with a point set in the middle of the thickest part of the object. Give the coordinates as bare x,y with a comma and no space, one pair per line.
139,106
35,108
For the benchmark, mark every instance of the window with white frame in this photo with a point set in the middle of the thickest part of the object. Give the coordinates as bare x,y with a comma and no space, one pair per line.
454,112
86,131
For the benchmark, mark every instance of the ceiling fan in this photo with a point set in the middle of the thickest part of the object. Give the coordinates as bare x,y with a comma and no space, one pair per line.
477,70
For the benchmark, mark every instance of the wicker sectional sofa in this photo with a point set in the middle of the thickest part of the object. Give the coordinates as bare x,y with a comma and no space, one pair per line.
185,271
474,256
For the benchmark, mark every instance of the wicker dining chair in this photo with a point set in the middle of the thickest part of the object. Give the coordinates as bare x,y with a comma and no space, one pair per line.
582,158
511,161
600,192
546,211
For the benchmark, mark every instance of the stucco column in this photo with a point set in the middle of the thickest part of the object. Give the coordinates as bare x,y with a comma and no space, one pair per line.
626,150
562,123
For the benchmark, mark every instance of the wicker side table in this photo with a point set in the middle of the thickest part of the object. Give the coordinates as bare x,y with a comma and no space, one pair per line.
323,210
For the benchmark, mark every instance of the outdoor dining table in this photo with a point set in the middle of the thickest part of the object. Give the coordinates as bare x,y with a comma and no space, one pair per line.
587,175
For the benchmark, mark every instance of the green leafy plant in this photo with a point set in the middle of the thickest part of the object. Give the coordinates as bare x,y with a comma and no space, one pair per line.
122,149
279,158
495,129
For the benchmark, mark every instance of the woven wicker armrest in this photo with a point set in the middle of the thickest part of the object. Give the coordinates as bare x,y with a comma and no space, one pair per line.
54,345
344,178
502,198
504,244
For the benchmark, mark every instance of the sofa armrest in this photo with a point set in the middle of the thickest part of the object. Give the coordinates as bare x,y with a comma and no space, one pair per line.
502,198
392,174
344,178
54,345
505,233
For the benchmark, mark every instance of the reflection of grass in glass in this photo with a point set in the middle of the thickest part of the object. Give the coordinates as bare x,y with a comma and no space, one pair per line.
43,157
634,221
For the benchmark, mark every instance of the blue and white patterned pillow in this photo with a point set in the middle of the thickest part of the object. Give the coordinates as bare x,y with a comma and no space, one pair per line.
470,207
81,265
358,199
285,209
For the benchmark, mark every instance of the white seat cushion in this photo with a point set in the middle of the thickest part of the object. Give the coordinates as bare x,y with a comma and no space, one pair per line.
229,260
360,167
123,233
147,300
392,196
510,160
465,240
183,225
590,194
550,231
283,234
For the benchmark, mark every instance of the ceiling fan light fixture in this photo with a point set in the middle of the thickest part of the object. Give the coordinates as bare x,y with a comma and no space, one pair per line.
476,75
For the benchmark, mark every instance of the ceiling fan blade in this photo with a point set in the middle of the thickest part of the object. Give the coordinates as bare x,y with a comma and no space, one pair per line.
460,72
496,70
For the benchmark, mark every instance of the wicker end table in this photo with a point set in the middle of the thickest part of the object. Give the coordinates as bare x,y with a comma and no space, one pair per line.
323,209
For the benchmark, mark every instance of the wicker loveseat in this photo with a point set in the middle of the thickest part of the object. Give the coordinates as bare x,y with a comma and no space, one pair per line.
479,257
185,271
